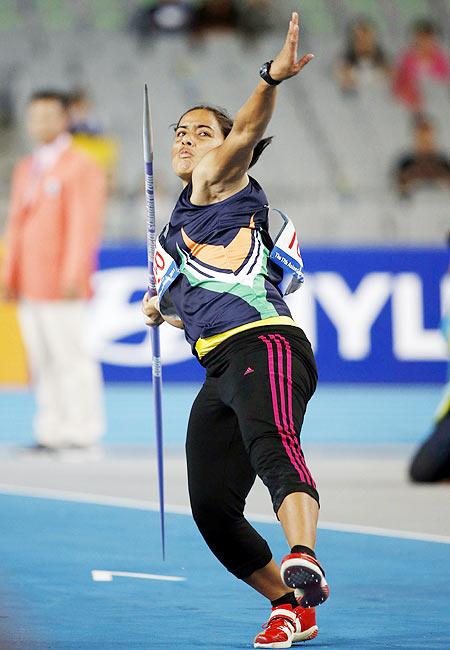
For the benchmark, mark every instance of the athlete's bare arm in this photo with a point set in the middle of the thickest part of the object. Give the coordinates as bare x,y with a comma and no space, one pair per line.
226,166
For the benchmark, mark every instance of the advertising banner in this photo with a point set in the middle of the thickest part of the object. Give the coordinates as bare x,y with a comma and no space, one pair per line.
371,314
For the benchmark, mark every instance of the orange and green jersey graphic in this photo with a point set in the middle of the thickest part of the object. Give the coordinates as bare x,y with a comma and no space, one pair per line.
222,251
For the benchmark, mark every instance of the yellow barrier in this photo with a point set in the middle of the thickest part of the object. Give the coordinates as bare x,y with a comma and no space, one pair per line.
13,366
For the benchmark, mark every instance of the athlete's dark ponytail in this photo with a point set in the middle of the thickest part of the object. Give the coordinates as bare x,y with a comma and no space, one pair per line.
226,124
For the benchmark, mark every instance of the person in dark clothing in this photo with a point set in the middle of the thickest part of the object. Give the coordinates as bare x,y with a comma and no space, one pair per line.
431,462
216,15
363,56
424,166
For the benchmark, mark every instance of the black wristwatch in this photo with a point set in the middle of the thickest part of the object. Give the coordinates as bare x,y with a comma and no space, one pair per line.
264,74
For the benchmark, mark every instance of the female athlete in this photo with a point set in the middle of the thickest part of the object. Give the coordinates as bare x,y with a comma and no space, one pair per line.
260,369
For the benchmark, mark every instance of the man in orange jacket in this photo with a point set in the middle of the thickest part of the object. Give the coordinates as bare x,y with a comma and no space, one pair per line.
53,233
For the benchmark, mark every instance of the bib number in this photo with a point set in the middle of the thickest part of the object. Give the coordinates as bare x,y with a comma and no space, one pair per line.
287,256
165,269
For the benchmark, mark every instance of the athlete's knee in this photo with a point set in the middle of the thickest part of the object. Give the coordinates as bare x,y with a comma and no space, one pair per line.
280,495
209,513
231,538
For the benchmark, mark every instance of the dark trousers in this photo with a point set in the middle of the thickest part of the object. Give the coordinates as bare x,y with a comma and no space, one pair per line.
246,421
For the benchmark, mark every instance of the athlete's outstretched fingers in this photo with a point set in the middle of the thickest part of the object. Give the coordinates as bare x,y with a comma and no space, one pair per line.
304,60
294,42
292,38
285,64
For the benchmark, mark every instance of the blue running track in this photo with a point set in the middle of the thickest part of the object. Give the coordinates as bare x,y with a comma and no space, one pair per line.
382,414
386,592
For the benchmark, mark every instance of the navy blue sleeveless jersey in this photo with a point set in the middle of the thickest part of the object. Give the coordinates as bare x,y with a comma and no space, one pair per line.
222,250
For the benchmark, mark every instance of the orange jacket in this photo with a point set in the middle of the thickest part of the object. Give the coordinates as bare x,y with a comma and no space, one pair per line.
53,234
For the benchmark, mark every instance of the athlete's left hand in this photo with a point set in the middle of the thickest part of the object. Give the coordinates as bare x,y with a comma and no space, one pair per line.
150,307
285,64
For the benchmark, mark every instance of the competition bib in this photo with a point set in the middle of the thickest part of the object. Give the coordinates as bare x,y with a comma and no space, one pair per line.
166,270
286,255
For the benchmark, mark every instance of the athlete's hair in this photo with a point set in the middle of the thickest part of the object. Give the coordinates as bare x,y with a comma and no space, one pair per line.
50,94
226,124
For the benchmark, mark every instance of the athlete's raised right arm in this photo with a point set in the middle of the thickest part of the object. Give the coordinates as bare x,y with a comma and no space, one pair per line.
228,163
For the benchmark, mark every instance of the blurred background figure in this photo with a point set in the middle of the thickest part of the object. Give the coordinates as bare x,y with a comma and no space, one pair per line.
431,462
53,232
425,165
162,16
81,115
199,18
216,15
425,60
247,19
363,58
6,100
89,135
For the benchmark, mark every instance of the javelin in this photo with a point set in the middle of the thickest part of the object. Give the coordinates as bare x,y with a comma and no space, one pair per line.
156,353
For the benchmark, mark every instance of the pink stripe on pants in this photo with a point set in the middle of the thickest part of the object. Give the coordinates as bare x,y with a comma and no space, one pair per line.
285,434
294,439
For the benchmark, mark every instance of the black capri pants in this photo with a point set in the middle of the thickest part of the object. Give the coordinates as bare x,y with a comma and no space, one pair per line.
246,421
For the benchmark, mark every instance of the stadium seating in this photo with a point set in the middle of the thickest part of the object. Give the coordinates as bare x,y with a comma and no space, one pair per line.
329,164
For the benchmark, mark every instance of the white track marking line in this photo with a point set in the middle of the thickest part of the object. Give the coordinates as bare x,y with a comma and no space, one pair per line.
136,504
86,497
100,575
384,532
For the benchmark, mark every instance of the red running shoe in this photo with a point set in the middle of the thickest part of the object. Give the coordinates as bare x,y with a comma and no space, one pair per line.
287,626
303,573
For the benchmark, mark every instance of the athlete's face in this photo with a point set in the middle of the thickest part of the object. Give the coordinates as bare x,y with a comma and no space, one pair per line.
196,134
